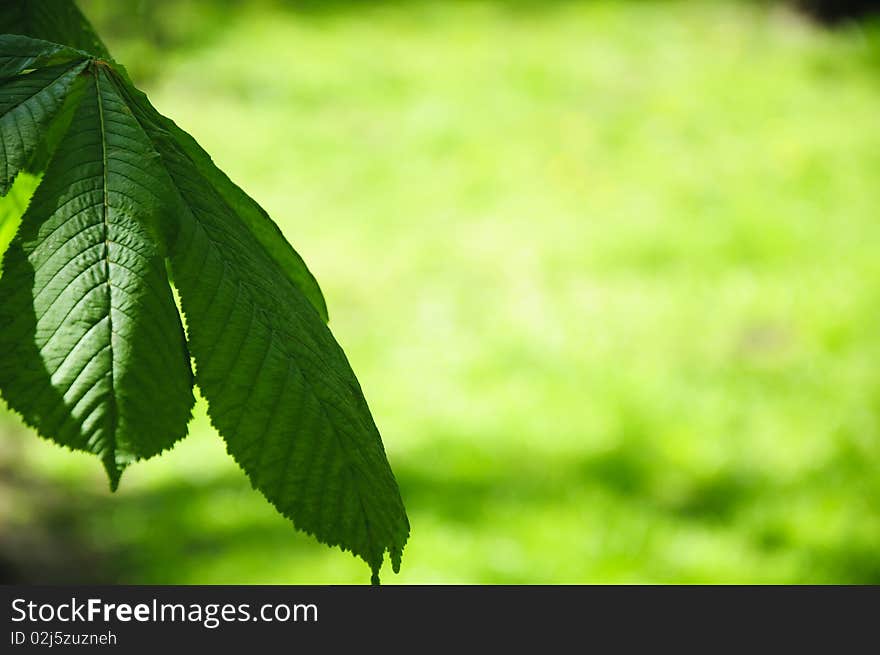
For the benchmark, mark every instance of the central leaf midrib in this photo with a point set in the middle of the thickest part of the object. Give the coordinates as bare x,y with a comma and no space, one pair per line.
112,409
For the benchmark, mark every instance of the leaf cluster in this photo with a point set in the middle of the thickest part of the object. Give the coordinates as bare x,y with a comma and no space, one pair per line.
93,352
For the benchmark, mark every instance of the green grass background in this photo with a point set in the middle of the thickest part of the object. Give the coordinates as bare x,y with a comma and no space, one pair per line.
608,273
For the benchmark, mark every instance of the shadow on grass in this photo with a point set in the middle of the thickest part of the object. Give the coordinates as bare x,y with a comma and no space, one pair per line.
627,474
77,535
74,535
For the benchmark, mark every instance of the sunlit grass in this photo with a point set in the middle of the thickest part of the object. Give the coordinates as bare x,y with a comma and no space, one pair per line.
608,275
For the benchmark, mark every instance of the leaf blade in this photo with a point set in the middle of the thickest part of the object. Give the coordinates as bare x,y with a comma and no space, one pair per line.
28,103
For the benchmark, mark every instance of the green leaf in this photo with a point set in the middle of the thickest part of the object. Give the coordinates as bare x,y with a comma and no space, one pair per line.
280,390
21,53
56,128
94,355
28,102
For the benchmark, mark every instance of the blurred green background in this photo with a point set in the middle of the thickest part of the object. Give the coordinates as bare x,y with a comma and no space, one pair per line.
608,273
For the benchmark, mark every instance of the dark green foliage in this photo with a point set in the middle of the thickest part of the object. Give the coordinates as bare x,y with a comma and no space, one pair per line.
56,21
93,352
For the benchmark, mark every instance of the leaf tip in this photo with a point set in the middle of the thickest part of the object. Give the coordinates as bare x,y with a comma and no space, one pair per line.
114,472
